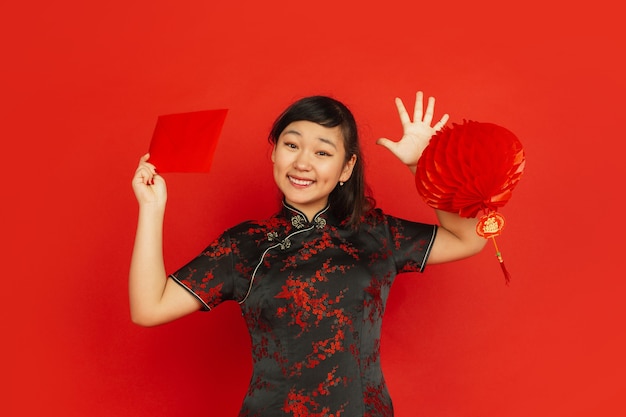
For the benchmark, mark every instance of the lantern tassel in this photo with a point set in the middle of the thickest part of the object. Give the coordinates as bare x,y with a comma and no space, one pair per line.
507,275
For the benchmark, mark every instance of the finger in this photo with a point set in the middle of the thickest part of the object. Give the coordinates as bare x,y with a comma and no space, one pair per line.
430,110
140,177
148,177
441,123
145,169
389,144
143,162
404,115
144,174
419,106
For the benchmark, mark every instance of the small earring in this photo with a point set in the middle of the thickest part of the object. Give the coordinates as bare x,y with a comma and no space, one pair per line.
341,183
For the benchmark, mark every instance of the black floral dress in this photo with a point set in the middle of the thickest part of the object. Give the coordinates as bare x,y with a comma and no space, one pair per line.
313,296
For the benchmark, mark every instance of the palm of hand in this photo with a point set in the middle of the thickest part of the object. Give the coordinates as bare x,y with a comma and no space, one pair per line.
413,142
417,132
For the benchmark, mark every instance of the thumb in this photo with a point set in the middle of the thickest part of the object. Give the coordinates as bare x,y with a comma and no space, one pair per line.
389,144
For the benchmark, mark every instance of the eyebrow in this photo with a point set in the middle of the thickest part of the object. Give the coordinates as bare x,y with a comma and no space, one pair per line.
321,139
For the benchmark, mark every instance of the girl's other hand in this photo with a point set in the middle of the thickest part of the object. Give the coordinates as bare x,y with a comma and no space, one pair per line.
417,132
148,185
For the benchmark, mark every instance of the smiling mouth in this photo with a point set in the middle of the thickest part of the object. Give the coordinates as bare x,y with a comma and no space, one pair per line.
300,182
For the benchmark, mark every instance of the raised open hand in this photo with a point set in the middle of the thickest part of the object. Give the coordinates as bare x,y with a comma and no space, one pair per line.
417,132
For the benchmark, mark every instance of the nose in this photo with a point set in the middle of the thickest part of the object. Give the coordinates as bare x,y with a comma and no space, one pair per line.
302,162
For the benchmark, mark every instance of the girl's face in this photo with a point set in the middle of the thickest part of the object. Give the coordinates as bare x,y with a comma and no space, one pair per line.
309,161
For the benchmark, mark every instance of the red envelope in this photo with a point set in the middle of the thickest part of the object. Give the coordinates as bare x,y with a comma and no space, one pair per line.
186,142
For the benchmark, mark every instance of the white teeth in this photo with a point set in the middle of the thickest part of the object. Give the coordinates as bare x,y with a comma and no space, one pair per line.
300,182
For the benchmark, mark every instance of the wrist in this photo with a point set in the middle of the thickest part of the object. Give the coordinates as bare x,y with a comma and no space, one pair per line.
152,208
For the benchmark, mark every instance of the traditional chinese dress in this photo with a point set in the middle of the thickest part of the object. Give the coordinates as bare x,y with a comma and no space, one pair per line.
313,295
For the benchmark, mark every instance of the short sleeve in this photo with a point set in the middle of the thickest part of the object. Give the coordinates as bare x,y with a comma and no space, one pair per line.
411,243
209,277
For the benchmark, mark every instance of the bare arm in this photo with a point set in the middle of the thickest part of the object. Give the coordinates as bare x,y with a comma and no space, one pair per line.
456,238
154,299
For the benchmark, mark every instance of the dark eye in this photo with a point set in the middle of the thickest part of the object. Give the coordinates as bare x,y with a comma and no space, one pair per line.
290,145
323,153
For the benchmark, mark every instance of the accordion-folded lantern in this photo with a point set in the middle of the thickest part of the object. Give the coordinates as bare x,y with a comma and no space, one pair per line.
186,142
471,168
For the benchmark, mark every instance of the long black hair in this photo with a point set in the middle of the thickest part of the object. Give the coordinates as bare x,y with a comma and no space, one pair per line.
352,200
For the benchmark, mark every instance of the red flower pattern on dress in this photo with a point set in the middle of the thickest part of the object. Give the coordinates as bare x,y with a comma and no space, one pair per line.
299,404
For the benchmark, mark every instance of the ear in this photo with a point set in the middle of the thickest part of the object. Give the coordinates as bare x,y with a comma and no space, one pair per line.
274,154
346,173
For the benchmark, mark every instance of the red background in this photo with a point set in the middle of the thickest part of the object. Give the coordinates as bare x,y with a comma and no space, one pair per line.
83,83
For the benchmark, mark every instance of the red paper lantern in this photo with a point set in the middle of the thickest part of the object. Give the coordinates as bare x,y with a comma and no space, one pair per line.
471,168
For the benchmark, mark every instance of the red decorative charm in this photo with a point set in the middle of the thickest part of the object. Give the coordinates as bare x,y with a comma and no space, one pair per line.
471,168
490,225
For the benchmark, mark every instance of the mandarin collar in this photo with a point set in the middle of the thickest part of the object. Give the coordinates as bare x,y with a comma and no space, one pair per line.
299,220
